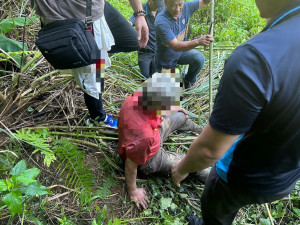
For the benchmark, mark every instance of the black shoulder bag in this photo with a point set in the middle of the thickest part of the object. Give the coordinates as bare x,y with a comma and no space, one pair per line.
69,43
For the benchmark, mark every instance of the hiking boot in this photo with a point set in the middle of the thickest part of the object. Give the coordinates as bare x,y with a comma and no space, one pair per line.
194,220
203,174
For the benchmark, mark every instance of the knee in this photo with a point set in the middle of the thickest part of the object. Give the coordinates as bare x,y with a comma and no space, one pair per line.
198,59
179,118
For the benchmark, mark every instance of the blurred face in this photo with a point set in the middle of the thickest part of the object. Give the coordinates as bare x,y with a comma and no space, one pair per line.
174,7
268,8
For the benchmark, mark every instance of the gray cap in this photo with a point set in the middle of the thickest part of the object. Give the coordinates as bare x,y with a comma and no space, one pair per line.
159,3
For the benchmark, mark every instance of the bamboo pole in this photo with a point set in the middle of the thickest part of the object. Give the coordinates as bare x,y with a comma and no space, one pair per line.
212,9
269,213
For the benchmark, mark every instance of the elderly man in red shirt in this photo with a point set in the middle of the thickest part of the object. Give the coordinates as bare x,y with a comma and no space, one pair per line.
145,121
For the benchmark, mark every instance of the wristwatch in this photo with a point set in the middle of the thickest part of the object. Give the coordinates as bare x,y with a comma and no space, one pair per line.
139,13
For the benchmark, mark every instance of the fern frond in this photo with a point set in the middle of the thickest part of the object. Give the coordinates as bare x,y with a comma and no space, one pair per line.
71,166
39,141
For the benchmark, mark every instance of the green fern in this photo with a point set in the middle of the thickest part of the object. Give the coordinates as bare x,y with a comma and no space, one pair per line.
104,190
38,139
77,175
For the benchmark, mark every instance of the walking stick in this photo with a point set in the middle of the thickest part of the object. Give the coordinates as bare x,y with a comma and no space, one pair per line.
211,31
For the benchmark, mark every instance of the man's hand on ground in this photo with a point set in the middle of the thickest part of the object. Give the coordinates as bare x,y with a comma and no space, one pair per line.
177,177
142,31
206,40
140,199
184,111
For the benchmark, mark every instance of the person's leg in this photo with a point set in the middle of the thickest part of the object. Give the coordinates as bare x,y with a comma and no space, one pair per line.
124,34
195,60
154,64
145,59
162,162
177,121
95,107
220,202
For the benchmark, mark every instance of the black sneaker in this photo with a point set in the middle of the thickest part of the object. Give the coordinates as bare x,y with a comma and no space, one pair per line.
194,220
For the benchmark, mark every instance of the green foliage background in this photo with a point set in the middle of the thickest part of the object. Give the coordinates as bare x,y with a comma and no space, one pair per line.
236,21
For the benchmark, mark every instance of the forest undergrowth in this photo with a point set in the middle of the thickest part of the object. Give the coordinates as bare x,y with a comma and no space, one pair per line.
54,169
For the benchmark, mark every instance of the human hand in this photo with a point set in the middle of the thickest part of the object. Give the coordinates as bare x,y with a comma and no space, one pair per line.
184,111
142,31
139,197
206,39
177,177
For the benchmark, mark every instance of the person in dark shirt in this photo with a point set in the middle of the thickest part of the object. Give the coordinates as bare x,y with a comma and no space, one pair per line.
253,134
172,45
147,56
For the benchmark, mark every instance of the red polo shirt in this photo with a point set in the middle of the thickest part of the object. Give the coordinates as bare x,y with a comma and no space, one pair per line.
139,137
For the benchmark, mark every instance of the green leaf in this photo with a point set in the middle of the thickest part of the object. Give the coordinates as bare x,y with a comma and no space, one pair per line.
35,220
264,221
5,163
36,188
30,109
297,211
6,132
31,173
3,186
18,168
8,24
9,45
13,201
22,179
165,203
183,195
116,222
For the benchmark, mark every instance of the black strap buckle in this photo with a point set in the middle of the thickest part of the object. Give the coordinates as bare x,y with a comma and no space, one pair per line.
88,24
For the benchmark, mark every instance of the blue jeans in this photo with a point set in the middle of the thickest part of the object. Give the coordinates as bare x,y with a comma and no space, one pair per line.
147,63
195,60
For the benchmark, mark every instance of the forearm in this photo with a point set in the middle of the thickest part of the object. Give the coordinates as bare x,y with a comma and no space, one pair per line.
136,5
206,150
197,158
130,175
184,46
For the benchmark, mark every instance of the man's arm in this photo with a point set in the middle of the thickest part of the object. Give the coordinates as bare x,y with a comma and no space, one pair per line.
207,149
138,195
140,24
183,46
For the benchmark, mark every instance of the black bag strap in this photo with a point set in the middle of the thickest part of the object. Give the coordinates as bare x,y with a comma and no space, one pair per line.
88,18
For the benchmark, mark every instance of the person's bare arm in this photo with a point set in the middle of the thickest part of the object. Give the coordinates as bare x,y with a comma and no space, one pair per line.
207,149
140,24
138,195
183,46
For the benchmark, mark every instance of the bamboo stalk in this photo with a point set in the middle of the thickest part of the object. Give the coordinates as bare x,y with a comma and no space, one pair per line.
35,57
87,143
269,213
212,5
181,143
187,138
84,136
